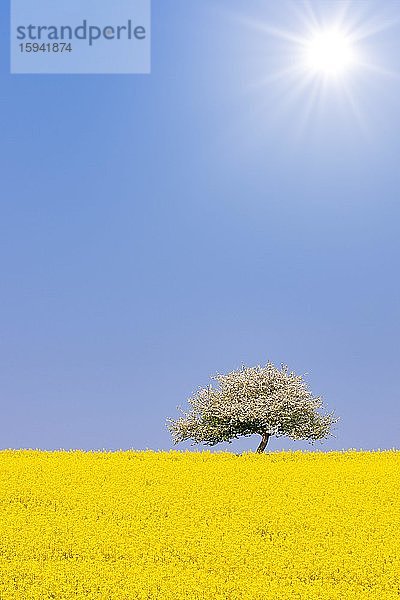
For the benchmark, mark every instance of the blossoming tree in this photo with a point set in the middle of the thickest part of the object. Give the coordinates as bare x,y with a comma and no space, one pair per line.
263,400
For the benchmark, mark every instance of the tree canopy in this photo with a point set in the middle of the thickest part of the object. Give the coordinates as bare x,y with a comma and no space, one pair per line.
260,400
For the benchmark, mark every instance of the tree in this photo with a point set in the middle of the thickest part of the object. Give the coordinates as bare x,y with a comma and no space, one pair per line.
263,400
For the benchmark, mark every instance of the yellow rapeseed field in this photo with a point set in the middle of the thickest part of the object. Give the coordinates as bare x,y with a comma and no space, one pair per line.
199,525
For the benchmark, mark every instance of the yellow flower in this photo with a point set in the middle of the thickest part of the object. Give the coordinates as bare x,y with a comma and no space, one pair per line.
199,525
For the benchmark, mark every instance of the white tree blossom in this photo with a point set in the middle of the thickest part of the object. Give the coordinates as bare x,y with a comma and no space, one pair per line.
264,400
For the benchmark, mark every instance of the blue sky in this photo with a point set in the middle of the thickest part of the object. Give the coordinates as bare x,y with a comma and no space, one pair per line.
157,229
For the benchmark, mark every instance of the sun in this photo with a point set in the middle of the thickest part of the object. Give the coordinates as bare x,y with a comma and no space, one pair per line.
329,53
314,63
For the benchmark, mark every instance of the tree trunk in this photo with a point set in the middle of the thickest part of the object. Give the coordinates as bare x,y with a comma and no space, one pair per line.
263,443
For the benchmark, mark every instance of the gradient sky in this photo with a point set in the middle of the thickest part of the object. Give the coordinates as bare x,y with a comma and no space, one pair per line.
158,229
